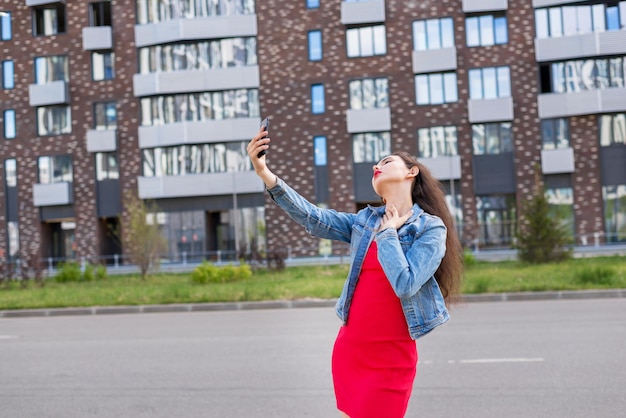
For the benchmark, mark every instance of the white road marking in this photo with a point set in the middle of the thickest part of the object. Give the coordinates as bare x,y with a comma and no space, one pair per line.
8,337
502,360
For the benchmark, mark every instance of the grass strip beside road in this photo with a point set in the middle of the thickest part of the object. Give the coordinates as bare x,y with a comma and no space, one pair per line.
318,282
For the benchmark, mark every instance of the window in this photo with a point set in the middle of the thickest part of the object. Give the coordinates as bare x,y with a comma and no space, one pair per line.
492,138
489,83
612,129
436,88
105,116
52,68
49,19
55,169
370,147
580,75
6,32
555,133
100,13
319,151
312,4
369,93
54,120
10,172
106,166
315,45
318,104
366,41
437,141
615,212
153,11
103,66
496,219
217,105
486,30
433,34
575,20
561,206
217,53
8,74
9,123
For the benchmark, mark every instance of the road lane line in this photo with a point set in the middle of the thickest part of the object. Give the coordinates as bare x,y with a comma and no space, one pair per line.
502,360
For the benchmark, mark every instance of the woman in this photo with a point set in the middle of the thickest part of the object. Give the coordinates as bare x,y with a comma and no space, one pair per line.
406,266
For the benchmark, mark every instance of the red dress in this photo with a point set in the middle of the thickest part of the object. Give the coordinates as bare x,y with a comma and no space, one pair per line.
374,358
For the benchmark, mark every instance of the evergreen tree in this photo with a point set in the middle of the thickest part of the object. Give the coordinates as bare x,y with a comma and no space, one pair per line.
542,236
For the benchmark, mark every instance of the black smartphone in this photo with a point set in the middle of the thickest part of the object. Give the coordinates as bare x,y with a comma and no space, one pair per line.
265,124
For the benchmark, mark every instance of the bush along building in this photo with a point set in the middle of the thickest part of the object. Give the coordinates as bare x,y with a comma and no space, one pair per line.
160,97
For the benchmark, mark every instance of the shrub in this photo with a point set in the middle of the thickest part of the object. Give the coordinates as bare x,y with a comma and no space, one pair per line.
469,259
595,275
68,272
209,273
101,272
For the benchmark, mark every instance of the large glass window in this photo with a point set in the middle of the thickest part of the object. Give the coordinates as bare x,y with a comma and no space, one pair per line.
152,11
218,105
433,34
492,138
369,93
9,123
6,32
8,74
196,159
100,13
366,41
580,19
319,151
555,133
312,4
55,169
496,219
105,115
106,166
52,68
437,141
486,30
10,172
612,129
615,212
561,201
315,45
49,19
318,104
103,66
436,88
54,120
581,75
216,53
370,147
489,83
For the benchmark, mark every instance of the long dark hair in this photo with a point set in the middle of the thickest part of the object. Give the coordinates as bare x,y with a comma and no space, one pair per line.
428,193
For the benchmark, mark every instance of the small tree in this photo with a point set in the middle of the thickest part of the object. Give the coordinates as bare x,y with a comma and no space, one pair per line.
141,236
542,236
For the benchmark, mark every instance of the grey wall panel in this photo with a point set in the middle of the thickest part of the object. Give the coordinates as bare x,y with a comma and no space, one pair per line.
613,165
363,190
494,174
109,198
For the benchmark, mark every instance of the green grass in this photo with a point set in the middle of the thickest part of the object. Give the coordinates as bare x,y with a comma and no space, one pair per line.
302,282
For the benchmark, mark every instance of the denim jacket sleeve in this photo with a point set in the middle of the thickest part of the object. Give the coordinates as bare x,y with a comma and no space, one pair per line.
408,265
322,223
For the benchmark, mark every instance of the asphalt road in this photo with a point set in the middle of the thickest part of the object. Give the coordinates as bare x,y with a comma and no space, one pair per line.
561,358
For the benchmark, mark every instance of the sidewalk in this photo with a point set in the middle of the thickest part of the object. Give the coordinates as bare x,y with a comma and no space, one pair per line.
291,304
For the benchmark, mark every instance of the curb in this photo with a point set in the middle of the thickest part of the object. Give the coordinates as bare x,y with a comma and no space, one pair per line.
293,304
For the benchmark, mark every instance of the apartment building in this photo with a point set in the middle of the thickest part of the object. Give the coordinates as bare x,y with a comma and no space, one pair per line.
159,97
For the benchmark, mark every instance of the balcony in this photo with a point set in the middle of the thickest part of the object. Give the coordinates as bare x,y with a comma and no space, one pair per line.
52,194
101,140
181,133
53,93
558,105
32,3
368,120
490,110
96,38
444,168
196,80
581,46
557,161
215,184
357,12
475,6
434,60
202,28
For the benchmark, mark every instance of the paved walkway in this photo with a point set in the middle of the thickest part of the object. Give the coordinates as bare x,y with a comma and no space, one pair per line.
302,303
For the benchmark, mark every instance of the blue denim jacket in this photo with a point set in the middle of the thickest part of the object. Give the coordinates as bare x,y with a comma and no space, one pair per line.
409,256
